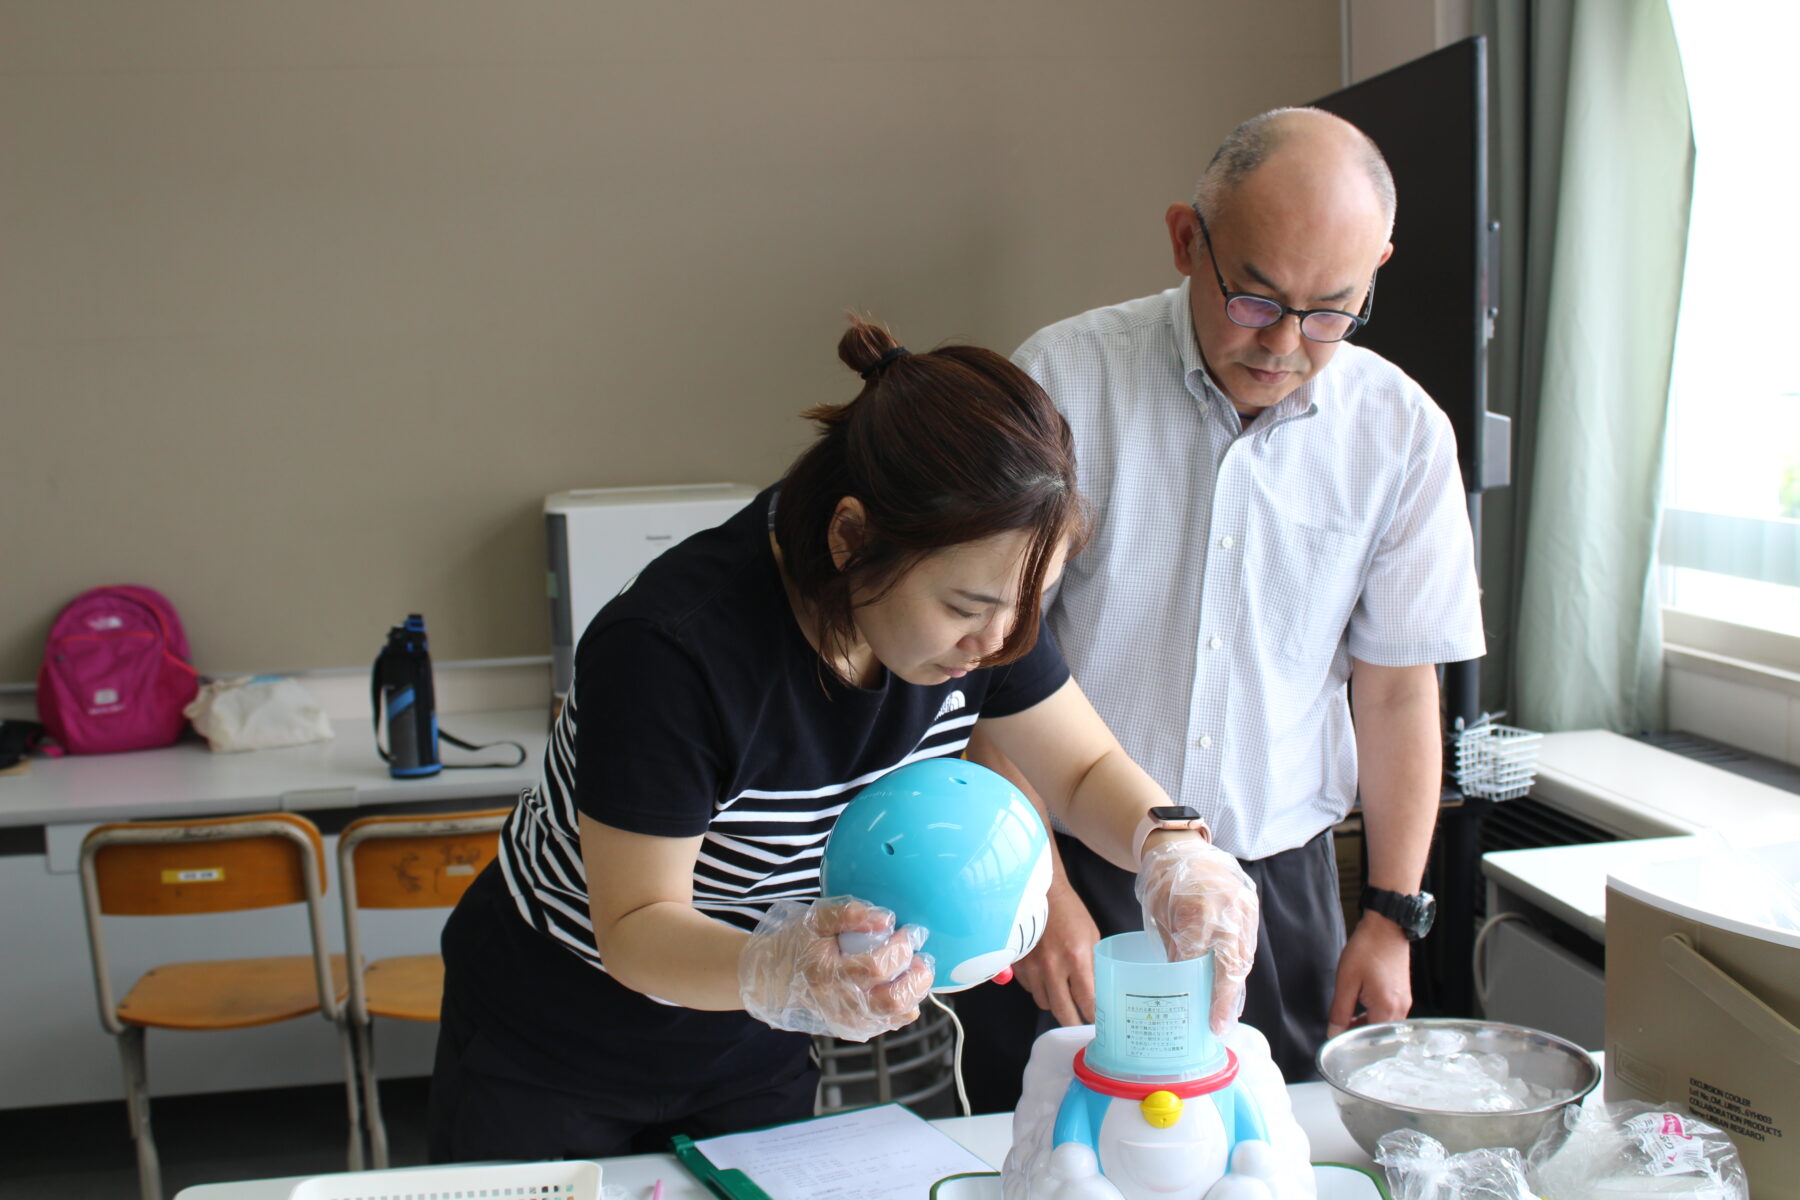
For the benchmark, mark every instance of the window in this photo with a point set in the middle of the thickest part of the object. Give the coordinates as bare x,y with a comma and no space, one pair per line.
1730,548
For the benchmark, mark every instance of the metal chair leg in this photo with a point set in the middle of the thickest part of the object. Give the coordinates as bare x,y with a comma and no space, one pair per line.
352,1074
137,1107
365,1048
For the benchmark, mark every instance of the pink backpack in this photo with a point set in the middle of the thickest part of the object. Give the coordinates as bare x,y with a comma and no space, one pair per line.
115,674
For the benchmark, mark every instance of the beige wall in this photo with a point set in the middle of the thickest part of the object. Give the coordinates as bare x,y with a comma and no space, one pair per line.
304,306
1381,34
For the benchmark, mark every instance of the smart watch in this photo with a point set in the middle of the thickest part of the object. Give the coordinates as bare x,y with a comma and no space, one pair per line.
1167,816
1413,914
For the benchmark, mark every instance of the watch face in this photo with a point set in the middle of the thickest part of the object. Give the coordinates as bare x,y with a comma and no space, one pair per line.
1427,914
1175,812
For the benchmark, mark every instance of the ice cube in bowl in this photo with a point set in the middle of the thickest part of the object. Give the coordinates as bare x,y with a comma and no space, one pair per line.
1546,1075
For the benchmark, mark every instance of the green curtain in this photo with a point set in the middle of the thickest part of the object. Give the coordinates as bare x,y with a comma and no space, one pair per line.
1593,172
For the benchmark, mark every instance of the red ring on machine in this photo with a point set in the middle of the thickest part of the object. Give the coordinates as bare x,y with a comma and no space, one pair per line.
1106,1085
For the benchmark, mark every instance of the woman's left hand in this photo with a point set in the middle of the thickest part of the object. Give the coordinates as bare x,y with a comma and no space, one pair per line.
796,971
1197,898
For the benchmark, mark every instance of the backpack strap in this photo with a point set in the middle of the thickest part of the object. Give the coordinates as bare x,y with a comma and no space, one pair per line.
128,593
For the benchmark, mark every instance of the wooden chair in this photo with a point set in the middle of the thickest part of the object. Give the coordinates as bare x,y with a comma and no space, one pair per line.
403,862
182,868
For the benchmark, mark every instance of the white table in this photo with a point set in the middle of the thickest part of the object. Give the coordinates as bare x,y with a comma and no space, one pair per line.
188,780
988,1137
53,1050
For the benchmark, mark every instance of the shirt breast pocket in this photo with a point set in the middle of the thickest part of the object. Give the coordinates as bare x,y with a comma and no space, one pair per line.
1317,583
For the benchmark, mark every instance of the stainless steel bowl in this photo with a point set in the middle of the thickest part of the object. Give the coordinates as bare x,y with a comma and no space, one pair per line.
1532,1055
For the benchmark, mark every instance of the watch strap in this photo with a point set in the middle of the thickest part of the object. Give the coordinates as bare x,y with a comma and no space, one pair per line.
1410,912
1153,824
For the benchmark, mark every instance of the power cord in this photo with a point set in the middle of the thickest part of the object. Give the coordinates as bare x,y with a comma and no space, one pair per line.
956,1070
1478,968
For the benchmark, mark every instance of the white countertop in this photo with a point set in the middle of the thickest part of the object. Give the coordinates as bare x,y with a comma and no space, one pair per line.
1655,799
1635,790
1569,882
988,1137
188,780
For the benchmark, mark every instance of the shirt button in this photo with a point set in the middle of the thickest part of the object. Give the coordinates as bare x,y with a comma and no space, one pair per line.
1228,541
1206,741
1214,642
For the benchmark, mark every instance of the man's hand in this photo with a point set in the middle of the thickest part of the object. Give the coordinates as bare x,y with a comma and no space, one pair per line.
1059,971
1375,971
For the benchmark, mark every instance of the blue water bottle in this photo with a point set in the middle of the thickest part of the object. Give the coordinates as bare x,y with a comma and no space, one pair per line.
400,695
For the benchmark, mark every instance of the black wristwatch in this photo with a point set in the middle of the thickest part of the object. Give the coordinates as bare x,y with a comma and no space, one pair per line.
1414,914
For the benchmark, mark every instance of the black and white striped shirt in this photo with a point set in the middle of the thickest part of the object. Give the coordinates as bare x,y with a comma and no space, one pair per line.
699,707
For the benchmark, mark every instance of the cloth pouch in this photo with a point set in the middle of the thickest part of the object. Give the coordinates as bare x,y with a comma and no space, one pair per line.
257,714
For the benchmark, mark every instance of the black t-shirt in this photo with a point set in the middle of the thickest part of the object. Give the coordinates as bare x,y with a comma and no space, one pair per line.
699,707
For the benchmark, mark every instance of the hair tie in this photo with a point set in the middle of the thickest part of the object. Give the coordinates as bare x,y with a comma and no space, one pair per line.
880,364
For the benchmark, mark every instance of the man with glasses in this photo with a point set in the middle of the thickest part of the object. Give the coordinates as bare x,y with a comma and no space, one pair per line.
1278,513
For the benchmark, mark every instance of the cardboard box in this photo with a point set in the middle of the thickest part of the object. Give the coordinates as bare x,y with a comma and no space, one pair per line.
1703,1004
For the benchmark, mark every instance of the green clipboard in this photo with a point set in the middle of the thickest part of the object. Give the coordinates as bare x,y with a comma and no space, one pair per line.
729,1184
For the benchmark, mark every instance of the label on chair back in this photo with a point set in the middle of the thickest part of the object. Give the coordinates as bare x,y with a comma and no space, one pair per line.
195,875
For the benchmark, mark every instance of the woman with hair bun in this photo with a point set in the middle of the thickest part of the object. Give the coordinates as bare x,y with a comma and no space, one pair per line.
612,979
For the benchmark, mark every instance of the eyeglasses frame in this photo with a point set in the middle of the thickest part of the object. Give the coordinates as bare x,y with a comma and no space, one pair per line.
1356,321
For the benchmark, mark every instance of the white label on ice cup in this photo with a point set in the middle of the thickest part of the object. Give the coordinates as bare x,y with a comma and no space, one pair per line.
1151,1015
1155,1027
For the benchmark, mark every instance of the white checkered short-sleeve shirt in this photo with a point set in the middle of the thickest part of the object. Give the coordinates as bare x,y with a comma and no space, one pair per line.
1234,572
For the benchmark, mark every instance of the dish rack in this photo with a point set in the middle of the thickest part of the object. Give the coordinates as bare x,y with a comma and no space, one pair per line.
504,1181
1493,761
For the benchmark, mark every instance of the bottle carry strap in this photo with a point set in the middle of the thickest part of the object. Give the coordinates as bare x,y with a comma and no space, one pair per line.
456,741
443,735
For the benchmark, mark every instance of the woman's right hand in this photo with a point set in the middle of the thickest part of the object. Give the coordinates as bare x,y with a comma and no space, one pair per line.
794,974
1198,899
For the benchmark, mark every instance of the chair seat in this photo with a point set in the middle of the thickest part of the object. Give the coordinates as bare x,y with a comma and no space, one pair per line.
408,987
233,994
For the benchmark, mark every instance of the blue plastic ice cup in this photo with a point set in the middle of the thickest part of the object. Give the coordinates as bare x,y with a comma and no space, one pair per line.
1151,1016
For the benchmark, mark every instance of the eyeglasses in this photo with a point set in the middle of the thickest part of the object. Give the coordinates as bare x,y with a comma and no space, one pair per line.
1259,312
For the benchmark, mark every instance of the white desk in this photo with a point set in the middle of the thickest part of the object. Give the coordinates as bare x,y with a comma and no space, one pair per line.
53,1050
188,780
988,1137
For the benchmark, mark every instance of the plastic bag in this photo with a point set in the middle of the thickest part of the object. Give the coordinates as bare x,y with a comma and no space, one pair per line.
1418,1168
1615,1150
257,714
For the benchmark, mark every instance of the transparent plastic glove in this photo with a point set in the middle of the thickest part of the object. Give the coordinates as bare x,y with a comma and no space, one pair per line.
1198,900
793,974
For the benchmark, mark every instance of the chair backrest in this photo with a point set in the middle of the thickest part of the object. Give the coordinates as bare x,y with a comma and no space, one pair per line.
204,865
416,862
228,864
409,862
